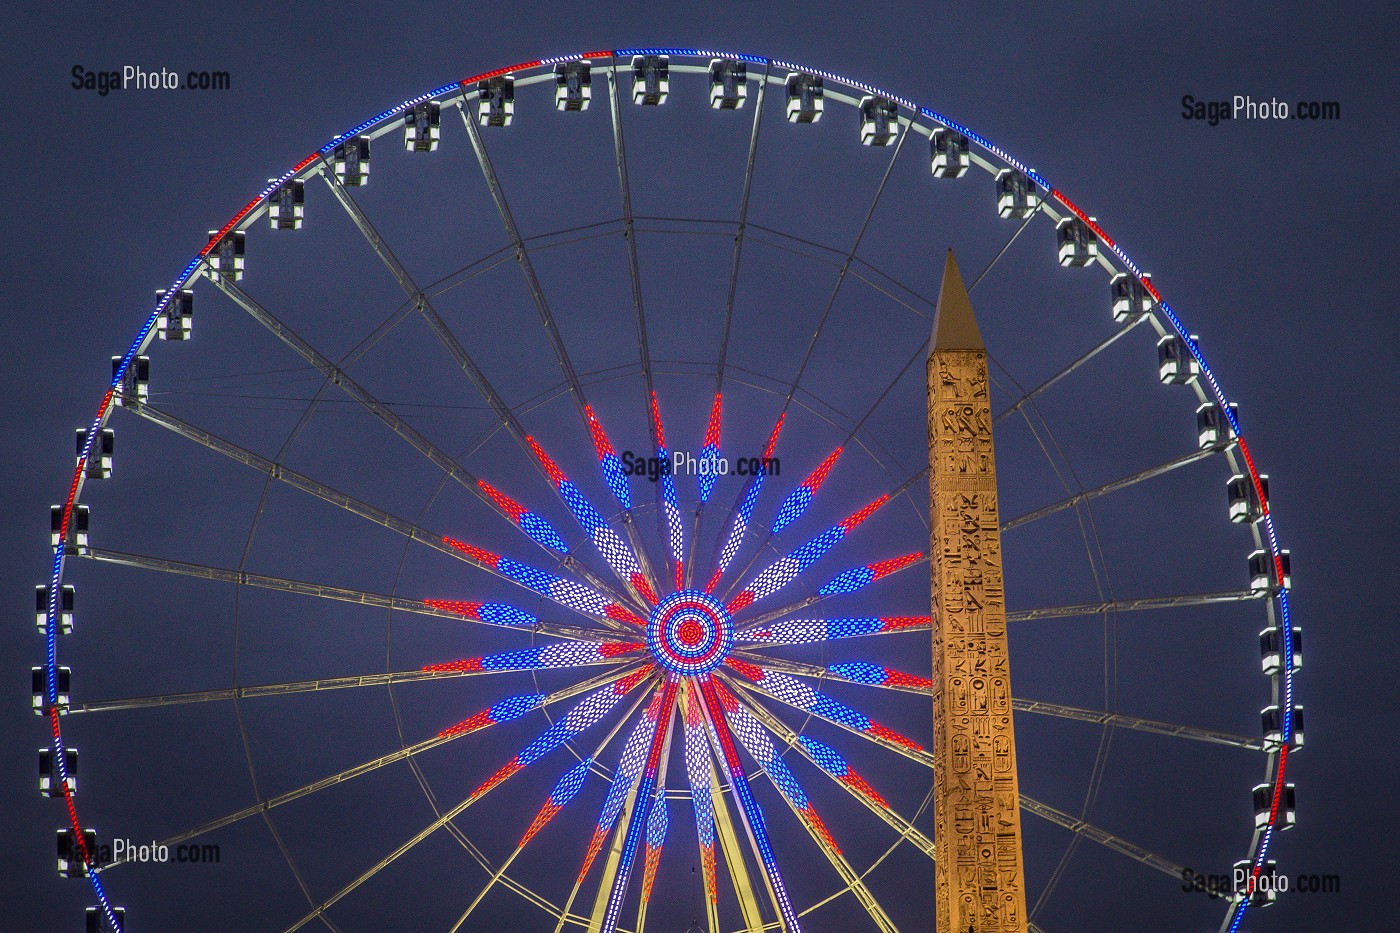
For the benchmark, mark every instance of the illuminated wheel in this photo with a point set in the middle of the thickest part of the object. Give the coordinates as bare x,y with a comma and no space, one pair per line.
378,542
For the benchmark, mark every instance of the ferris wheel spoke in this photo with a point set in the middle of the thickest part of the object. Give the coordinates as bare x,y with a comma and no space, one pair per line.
658,825
579,597
742,513
698,773
667,501
672,530
446,336
739,234
1077,826
629,235
743,507
565,790
617,805
709,459
868,674
1123,721
615,891
290,687
612,472
522,255
835,766
585,714
629,769
620,557
557,656
846,265
711,450
440,458
757,743
749,811
793,692
487,613
1088,355
1005,247
1102,837
505,709
1124,482
815,631
899,744
334,496
797,501
1133,605
786,569
848,581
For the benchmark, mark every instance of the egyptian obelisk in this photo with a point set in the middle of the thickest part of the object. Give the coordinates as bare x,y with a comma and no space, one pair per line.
980,884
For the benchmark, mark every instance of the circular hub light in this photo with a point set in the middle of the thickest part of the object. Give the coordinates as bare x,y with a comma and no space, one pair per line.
690,633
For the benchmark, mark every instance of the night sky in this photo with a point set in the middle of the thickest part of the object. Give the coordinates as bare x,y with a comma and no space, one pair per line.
1272,239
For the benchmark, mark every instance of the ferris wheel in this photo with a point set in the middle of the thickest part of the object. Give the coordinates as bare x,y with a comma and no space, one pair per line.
533,535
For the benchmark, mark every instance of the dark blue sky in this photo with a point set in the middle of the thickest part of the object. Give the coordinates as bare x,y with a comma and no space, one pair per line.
1273,240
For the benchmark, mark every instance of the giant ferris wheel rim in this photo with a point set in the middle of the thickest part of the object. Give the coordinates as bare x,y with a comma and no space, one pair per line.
464,89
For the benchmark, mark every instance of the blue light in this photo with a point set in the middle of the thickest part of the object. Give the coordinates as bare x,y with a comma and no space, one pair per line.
617,480
515,707
504,614
848,582
535,579
793,506
542,531
860,671
826,757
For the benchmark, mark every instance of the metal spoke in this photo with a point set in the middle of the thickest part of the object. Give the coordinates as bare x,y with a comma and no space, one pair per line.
921,755
440,458
296,686
906,829
1102,837
1123,482
1077,826
726,328
552,739
419,298
821,323
326,493
1133,605
919,353
366,767
321,590
1099,717
639,313
801,604
500,873
741,231
629,235
612,894
1002,252
556,339
749,812
389,859
522,256
755,740
1123,721
1080,361
735,865
846,265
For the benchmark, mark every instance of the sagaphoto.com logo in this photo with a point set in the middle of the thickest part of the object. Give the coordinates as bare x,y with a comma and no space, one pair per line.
1244,107
139,78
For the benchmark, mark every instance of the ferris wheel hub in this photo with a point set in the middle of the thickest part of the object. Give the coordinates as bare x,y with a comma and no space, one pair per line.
690,633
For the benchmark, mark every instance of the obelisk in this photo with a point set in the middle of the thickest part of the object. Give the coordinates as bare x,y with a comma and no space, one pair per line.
980,884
